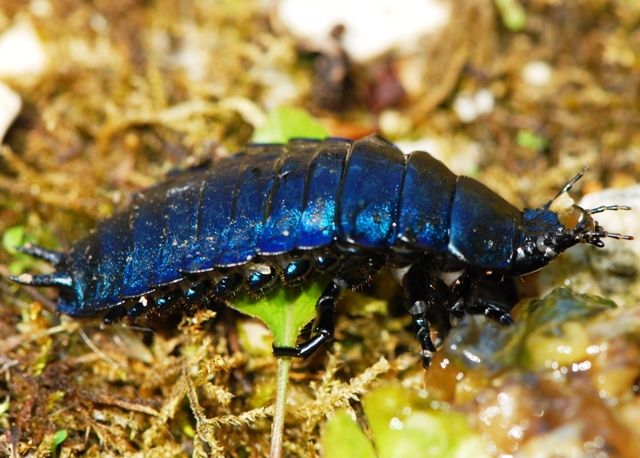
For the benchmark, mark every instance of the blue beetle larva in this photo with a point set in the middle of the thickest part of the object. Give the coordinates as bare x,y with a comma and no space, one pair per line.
277,214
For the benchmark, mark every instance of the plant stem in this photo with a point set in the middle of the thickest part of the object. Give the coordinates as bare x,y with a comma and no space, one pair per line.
277,428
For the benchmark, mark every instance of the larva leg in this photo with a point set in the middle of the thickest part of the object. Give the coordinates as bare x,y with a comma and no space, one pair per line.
425,303
352,276
468,304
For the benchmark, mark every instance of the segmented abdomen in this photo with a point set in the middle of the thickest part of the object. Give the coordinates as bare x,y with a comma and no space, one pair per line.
273,199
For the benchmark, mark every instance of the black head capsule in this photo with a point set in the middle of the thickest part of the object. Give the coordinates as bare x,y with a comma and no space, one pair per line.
556,227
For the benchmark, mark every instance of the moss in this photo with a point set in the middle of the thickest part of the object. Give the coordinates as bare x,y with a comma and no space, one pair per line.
136,89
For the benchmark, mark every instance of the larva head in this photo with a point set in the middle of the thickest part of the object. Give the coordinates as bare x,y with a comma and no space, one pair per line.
556,227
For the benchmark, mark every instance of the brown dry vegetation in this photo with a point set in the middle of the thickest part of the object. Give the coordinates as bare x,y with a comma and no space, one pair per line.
116,109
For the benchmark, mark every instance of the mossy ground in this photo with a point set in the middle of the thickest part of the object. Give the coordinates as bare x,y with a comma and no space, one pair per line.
133,90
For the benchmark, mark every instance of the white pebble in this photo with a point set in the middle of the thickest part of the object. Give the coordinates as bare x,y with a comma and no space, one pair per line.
428,145
10,105
485,101
469,106
623,222
537,73
465,108
372,27
41,8
21,51
611,271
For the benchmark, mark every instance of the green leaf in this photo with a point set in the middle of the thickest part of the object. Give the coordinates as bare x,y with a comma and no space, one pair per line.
530,140
13,238
343,437
59,437
4,406
284,310
512,13
285,123
404,424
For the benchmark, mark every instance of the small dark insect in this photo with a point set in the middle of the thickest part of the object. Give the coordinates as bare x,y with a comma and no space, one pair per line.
278,214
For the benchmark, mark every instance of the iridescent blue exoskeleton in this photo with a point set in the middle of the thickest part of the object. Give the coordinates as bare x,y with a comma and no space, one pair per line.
277,214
